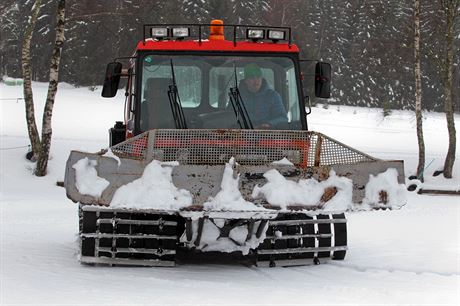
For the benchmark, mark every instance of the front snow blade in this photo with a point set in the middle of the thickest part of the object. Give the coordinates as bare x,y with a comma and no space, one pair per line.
202,154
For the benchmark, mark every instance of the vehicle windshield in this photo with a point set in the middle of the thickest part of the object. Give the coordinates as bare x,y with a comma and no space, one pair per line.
266,90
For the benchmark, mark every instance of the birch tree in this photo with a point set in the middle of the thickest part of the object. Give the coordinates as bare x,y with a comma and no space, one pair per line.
450,9
27,76
418,92
41,146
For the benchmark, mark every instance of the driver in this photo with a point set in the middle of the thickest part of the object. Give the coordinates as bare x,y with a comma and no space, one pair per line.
264,105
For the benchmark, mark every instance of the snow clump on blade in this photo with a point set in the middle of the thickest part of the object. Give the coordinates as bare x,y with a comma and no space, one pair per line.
154,190
283,192
284,162
343,199
86,179
229,197
384,190
110,154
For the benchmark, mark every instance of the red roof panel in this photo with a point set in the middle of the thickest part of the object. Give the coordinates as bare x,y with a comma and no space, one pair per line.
216,45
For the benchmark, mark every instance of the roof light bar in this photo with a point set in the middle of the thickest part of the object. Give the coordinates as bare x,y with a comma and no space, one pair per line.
276,35
180,32
159,33
255,34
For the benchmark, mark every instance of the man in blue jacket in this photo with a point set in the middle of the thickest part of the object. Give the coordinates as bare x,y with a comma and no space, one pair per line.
264,105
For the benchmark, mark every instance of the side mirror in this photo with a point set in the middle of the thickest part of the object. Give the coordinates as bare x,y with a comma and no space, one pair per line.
323,80
112,79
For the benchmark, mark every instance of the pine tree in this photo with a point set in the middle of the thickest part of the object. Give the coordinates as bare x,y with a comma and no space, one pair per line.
10,36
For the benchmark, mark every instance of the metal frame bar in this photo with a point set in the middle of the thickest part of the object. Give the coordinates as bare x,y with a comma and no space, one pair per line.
289,262
200,32
116,236
135,222
102,209
284,237
137,250
307,221
302,250
127,262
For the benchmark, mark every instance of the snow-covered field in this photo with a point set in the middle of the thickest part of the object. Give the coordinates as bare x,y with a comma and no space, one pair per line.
409,256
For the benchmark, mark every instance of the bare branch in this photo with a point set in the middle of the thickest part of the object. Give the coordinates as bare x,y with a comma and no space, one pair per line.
88,16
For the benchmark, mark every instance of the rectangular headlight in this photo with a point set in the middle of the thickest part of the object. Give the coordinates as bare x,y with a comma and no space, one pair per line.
159,32
255,34
180,32
276,35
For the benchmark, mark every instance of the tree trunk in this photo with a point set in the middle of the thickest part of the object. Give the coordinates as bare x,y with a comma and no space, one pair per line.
26,74
42,162
450,9
418,92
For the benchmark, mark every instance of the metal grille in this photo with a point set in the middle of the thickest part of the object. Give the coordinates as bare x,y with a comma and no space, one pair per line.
134,148
326,151
248,147
218,146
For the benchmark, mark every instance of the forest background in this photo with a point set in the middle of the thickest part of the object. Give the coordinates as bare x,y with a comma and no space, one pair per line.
369,43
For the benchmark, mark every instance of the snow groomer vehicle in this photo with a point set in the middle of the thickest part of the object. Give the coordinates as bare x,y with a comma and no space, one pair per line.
214,157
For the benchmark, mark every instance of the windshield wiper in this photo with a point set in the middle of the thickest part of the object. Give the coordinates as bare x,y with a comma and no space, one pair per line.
174,101
239,109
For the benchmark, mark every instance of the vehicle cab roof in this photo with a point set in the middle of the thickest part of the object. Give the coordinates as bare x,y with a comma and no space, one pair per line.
216,45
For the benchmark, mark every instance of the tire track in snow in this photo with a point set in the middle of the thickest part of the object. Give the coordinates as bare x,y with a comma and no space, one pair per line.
261,271
371,268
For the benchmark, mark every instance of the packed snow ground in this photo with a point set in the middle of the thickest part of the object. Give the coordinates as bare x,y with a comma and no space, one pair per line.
408,256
